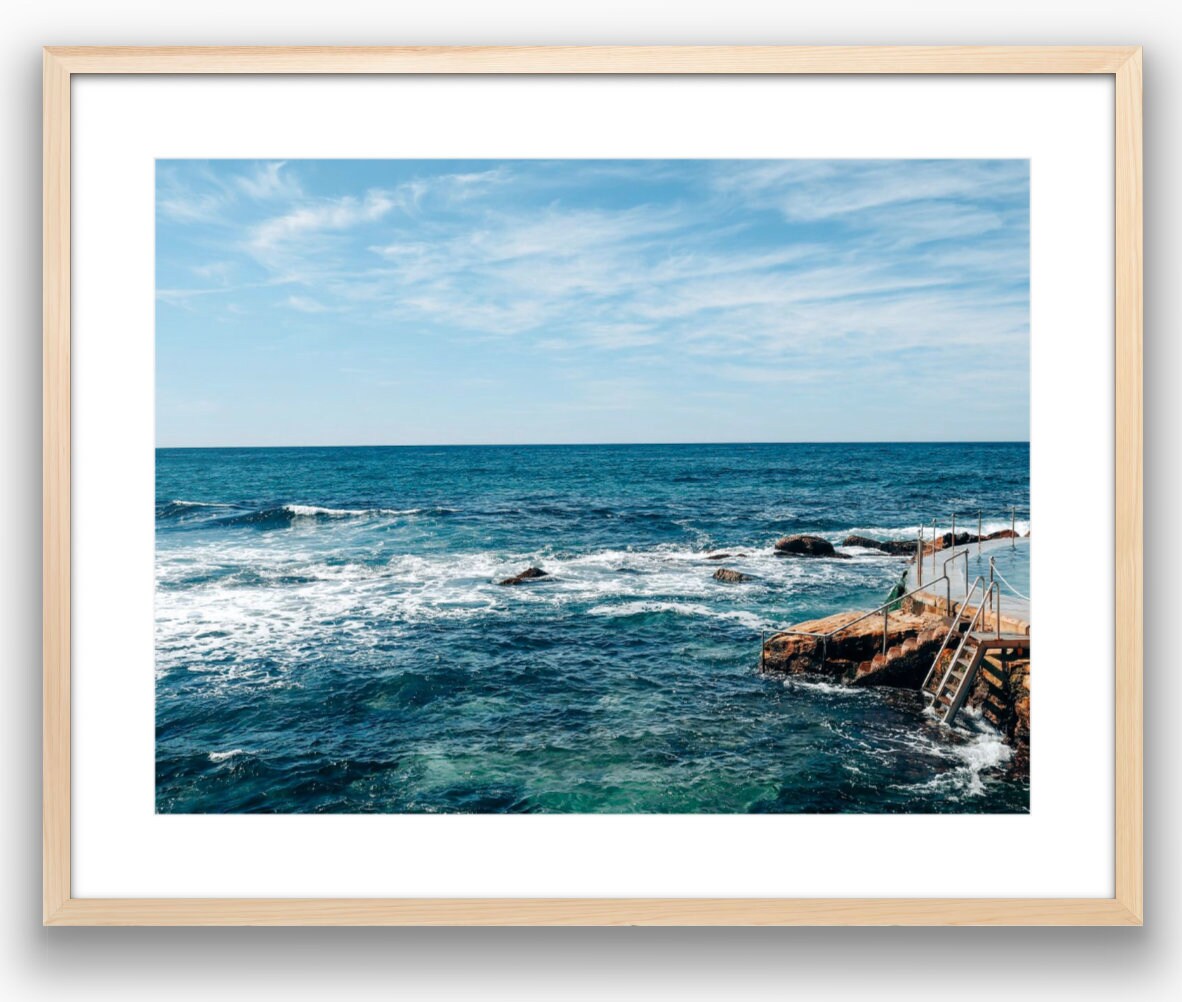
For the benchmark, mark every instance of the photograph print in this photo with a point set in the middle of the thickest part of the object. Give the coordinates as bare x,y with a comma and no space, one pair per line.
592,486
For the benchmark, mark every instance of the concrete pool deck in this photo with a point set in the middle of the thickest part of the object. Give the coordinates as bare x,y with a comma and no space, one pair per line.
1013,605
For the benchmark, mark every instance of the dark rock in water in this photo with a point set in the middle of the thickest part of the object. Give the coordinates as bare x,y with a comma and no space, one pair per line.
807,546
895,547
863,541
732,577
717,556
962,538
528,574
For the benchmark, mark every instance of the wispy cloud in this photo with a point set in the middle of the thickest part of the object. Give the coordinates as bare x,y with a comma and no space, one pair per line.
732,273
331,214
269,181
305,304
825,189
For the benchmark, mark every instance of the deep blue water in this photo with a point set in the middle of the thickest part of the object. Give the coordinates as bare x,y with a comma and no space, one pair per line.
330,636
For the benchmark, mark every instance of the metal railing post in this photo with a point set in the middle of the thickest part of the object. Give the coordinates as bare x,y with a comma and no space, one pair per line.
933,546
919,558
953,543
991,570
998,617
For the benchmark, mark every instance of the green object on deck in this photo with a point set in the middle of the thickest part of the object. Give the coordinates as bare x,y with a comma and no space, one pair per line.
897,592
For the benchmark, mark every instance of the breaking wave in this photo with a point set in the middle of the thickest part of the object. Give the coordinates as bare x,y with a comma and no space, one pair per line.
214,513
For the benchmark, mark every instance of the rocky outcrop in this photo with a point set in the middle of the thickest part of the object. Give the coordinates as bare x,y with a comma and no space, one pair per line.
529,574
964,538
730,576
1002,534
723,556
807,546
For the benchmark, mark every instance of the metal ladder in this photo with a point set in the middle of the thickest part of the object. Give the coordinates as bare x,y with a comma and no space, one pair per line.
953,686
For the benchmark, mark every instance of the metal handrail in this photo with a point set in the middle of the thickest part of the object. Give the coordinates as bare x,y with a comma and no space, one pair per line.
993,570
884,609
990,587
956,556
951,629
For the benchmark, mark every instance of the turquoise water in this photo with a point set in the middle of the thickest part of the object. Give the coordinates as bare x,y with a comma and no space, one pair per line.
331,638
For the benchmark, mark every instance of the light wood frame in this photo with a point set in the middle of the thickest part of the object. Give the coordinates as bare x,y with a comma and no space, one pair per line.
1124,908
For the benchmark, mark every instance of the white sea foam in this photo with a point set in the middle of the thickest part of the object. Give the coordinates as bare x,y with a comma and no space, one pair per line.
748,619
975,749
222,756
312,511
828,688
177,503
222,605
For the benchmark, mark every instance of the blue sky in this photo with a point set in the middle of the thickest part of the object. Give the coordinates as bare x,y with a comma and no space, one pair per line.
337,302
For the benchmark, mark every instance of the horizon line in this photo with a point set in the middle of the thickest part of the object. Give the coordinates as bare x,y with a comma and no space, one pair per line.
554,445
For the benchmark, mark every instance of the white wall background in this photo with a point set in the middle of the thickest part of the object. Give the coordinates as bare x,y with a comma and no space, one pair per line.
527,964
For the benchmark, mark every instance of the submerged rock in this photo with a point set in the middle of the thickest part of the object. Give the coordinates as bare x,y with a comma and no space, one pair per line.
529,574
807,546
730,576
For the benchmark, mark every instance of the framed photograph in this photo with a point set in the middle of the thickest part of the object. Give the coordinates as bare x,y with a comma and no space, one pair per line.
593,486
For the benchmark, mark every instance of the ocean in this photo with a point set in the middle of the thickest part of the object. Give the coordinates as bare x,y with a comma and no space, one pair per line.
331,636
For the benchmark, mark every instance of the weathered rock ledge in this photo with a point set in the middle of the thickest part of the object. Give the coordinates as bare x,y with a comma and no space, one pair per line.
854,656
